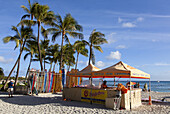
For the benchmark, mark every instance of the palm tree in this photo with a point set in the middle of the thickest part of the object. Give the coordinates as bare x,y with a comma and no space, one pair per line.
1,73
53,55
20,39
80,47
95,39
29,11
68,58
65,27
42,15
31,49
44,46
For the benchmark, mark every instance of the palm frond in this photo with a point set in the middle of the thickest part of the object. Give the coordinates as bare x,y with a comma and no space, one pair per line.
26,55
25,8
66,39
75,35
25,16
16,30
84,52
79,27
44,32
59,20
7,39
55,35
99,41
98,48
27,22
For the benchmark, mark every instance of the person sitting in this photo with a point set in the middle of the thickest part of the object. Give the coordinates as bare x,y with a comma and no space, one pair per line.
103,86
145,87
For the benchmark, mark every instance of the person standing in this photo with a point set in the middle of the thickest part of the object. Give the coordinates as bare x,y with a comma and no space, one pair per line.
104,86
10,88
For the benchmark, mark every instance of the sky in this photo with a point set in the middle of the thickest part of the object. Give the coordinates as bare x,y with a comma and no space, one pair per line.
138,32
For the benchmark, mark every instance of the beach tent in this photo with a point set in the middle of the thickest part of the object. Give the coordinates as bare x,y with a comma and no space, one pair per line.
86,72
120,70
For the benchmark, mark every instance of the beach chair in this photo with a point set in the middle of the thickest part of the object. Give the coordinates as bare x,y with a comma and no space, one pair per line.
116,105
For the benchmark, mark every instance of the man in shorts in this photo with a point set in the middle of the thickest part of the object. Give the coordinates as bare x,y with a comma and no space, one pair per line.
10,88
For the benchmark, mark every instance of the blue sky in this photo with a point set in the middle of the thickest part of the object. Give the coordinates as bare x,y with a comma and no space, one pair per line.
138,32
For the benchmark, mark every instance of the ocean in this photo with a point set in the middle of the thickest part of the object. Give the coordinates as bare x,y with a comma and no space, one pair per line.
161,86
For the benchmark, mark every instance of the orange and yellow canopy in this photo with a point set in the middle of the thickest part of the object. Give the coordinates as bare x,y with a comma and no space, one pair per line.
120,70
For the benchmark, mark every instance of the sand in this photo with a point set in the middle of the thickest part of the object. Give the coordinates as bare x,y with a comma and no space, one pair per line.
53,104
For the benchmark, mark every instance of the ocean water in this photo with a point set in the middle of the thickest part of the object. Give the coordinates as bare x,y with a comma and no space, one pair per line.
161,86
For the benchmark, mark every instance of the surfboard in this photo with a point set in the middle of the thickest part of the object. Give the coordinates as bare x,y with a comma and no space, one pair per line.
51,82
46,86
33,81
42,81
36,81
39,83
45,79
54,81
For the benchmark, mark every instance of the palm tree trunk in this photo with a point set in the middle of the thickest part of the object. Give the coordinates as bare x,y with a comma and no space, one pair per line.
90,54
61,61
54,67
44,63
77,60
39,46
14,65
50,66
29,67
68,67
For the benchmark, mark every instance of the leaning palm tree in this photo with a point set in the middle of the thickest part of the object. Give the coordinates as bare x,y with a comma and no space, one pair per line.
65,27
80,47
20,39
95,40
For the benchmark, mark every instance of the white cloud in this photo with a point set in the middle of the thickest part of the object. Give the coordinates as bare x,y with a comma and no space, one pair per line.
161,64
156,64
139,19
121,47
100,64
83,63
120,20
114,55
154,40
128,25
3,60
110,38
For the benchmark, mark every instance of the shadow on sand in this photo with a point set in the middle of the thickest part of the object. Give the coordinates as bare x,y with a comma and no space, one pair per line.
55,101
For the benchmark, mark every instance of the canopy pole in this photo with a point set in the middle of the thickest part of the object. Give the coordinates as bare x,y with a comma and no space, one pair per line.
114,81
150,101
130,94
91,90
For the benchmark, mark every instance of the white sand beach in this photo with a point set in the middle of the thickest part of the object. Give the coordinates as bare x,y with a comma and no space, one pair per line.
53,103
